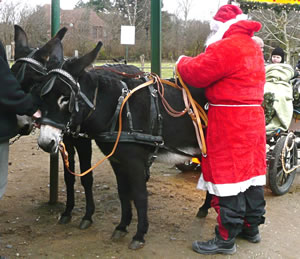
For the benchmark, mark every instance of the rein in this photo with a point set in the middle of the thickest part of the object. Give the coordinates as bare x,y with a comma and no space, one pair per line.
196,113
63,149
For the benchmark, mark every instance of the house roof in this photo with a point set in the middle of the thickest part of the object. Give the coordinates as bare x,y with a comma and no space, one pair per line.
68,17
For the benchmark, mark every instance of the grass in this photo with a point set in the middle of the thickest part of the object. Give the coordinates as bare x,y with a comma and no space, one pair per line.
167,68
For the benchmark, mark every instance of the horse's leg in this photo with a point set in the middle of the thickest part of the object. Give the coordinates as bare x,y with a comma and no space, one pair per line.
137,173
84,151
140,198
69,181
130,166
124,196
203,210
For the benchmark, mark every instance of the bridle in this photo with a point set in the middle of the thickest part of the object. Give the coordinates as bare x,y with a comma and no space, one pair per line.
57,73
76,94
32,63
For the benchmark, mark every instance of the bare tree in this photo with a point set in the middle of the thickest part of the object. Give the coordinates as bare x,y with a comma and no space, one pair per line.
9,15
280,29
183,10
184,6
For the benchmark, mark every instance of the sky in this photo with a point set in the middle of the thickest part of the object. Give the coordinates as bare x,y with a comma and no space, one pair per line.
200,9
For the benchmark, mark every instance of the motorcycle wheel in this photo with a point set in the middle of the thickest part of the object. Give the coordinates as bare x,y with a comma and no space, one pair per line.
279,181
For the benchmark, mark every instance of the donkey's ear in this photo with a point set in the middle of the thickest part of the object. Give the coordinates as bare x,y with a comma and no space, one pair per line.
53,49
80,64
21,39
61,33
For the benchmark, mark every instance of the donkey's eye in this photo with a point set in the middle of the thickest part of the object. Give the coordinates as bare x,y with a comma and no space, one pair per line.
63,102
65,98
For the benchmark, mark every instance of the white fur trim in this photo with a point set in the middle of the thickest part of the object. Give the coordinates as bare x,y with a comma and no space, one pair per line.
230,189
179,59
222,28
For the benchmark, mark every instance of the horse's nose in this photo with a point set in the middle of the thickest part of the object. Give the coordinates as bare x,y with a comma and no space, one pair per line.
49,147
49,138
47,144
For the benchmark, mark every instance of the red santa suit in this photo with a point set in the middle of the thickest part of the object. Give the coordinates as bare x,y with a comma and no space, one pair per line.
232,71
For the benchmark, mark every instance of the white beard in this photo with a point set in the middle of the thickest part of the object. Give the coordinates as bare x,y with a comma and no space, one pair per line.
218,28
213,37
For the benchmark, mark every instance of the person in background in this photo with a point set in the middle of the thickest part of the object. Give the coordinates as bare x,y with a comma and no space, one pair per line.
259,41
277,56
278,83
234,170
13,101
298,65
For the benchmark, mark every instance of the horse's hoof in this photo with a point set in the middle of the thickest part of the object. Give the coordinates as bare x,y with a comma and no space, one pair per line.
135,245
64,219
202,213
118,234
84,224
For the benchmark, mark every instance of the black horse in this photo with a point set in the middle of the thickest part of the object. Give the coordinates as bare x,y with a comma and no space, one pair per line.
34,68
29,67
75,96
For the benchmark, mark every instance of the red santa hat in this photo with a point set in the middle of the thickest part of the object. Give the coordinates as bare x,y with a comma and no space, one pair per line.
224,18
227,12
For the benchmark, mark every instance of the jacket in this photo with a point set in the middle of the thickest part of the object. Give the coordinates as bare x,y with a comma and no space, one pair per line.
233,73
13,100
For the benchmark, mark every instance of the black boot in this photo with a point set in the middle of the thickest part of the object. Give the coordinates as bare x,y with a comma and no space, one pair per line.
215,246
250,234
202,212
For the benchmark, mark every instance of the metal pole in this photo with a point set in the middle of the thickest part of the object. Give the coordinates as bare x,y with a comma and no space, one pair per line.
126,54
55,16
156,36
55,24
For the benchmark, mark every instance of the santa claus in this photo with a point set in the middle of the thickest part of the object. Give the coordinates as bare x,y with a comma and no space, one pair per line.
232,71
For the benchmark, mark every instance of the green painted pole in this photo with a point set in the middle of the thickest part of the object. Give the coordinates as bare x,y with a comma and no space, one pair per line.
126,53
156,36
55,16
55,24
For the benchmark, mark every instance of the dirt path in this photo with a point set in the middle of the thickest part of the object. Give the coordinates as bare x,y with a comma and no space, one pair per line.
29,229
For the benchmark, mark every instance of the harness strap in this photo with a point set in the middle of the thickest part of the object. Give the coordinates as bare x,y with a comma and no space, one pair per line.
129,137
94,103
63,149
156,120
141,138
114,119
29,60
145,137
195,115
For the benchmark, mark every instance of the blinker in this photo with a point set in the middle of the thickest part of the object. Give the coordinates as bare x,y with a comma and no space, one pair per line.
48,86
21,73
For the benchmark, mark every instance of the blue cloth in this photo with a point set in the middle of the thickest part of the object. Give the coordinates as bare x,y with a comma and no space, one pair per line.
4,146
